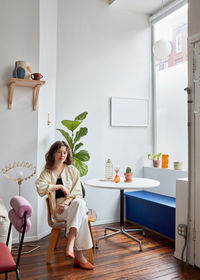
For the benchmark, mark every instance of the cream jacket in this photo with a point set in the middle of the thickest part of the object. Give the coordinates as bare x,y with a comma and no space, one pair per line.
70,178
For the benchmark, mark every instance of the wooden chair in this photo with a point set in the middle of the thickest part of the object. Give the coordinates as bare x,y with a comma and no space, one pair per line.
58,225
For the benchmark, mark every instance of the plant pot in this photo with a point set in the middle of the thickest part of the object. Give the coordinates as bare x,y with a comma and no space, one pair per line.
178,165
156,163
128,177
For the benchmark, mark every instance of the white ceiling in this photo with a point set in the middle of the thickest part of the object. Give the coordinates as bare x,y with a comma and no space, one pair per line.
141,6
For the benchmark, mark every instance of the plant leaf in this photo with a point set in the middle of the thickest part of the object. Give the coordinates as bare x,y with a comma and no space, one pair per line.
77,146
71,125
82,132
67,137
83,155
81,117
82,167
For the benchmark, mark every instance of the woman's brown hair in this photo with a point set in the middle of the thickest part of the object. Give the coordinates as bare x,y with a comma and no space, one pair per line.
54,148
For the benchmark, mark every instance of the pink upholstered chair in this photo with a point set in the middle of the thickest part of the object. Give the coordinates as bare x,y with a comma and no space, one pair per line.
19,218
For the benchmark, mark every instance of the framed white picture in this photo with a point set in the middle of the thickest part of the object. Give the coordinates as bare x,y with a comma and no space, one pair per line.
129,112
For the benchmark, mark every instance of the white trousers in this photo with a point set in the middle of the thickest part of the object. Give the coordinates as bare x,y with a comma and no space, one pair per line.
76,216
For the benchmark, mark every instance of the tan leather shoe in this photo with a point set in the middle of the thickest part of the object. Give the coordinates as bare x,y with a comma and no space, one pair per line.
86,265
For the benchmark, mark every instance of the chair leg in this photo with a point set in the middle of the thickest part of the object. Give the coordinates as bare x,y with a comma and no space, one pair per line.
6,276
57,240
55,233
17,274
90,228
90,255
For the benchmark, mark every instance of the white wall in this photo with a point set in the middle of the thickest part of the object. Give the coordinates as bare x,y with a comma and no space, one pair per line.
103,52
28,33
167,178
47,66
19,31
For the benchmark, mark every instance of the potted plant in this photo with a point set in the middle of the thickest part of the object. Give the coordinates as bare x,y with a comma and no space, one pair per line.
73,140
156,159
128,175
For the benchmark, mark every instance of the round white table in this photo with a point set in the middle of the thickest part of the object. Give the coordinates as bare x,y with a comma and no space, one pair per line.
136,184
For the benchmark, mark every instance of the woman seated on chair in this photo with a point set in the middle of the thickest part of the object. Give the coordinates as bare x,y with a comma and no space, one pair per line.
62,181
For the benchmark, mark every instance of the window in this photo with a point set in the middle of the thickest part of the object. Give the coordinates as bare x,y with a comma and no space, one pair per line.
179,43
165,64
170,80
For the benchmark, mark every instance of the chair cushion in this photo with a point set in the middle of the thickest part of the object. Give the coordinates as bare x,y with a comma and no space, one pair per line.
18,222
7,262
21,205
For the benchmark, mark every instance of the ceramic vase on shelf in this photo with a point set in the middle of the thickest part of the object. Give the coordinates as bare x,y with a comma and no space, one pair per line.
22,70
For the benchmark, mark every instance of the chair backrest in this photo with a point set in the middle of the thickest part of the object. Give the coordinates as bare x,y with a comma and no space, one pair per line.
19,217
52,222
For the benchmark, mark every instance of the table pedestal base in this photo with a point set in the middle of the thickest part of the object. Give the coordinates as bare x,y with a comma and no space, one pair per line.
123,231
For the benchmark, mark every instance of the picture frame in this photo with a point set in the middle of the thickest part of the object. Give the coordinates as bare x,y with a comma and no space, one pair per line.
129,112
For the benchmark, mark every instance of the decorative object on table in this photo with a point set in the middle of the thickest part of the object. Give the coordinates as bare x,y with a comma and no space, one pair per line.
128,175
178,165
19,174
109,170
165,161
36,76
156,159
22,70
117,178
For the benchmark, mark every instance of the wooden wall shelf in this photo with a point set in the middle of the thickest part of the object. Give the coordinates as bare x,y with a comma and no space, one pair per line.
34,84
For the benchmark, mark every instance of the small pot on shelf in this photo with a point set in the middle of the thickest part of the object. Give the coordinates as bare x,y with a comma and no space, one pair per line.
156,163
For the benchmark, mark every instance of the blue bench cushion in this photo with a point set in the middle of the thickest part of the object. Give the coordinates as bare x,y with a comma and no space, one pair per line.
153,211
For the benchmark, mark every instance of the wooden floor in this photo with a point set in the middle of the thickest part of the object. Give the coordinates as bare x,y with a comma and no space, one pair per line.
116,258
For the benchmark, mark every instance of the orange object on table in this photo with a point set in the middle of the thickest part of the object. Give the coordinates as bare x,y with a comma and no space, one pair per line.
117,178
165,161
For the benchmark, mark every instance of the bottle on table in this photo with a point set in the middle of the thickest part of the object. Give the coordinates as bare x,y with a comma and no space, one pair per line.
109,170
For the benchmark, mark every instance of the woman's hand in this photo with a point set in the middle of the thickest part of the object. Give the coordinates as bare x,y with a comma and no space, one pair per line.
60,187
60,208
63,189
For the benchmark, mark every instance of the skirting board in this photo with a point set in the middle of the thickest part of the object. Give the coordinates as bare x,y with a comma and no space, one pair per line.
32,238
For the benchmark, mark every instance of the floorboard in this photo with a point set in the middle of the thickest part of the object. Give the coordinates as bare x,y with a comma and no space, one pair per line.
117,258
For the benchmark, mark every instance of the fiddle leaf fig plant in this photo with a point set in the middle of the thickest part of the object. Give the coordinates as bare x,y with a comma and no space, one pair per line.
73,139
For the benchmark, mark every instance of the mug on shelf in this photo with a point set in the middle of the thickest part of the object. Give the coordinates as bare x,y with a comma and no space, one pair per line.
36,76
178,165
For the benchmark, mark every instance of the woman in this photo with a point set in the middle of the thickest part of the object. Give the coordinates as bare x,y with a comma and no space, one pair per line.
62,181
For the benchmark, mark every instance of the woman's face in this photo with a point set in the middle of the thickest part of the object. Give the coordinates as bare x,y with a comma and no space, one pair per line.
60,155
